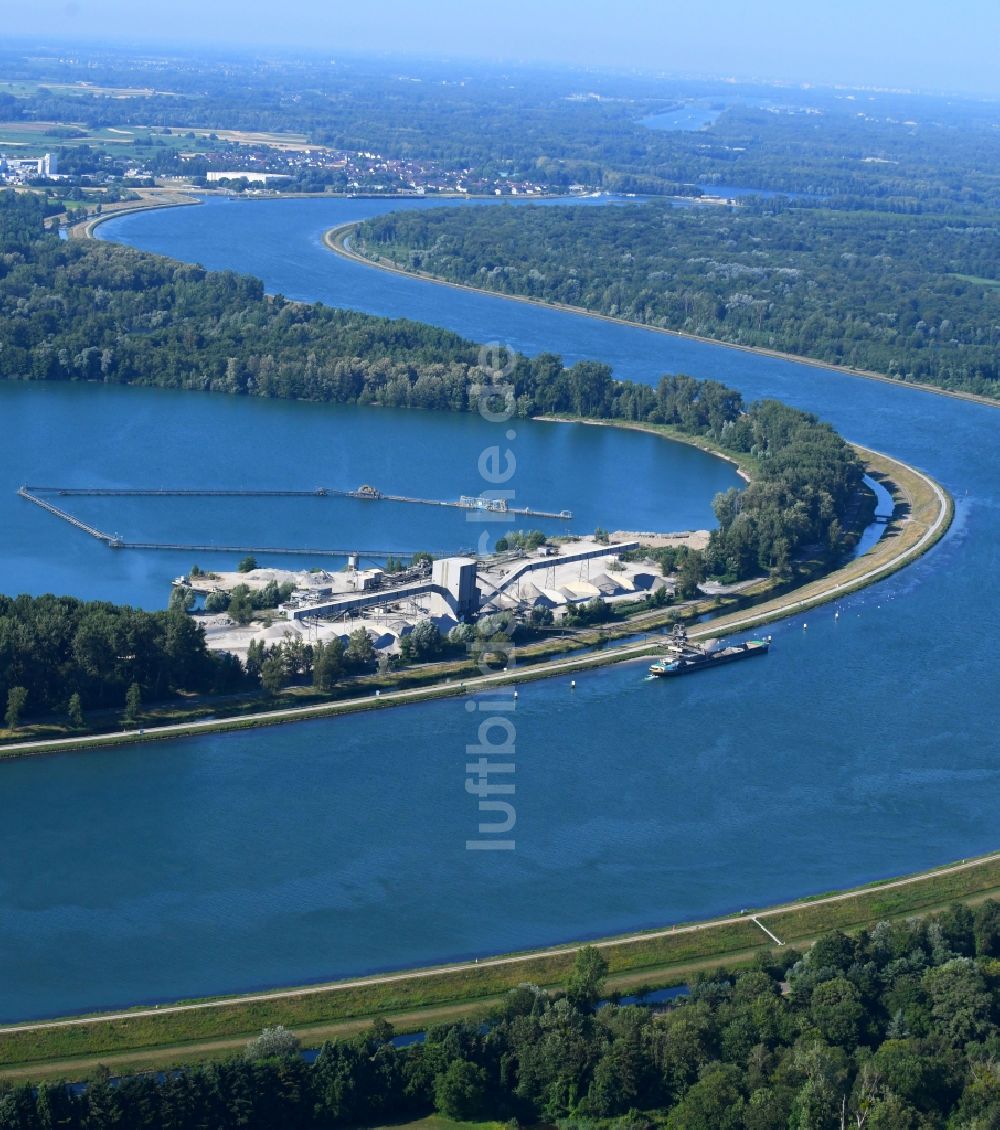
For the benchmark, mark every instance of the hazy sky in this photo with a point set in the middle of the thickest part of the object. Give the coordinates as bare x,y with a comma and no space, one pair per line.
914,43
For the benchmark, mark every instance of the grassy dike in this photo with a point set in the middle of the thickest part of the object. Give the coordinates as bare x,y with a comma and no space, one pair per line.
190,1032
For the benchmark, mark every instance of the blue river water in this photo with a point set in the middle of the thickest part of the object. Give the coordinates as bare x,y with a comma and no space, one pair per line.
690,116
863,747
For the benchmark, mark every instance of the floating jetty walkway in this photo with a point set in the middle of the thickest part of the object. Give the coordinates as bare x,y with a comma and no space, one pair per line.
366,493
26,492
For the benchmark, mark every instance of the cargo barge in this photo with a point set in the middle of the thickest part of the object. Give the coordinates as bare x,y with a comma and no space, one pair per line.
684,657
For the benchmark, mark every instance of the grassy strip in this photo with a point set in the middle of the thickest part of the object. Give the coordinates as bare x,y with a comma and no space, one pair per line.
470,983
875,903
665,957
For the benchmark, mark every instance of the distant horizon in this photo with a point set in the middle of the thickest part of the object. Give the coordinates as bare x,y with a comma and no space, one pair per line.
899,45
161,48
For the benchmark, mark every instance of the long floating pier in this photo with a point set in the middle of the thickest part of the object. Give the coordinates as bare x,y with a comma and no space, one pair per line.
25,492
119,544
115,541
365,493
167,492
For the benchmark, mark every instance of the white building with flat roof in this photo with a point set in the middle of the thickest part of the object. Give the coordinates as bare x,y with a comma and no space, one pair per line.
249,176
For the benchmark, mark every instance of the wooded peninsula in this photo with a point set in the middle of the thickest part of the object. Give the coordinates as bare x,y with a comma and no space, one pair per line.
914,298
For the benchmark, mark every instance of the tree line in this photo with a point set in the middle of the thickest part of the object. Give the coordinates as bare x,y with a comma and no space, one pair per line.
897,1028
54,649
915,298
807,494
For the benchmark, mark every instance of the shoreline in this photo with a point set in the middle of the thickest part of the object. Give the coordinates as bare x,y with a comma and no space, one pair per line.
193,1030
85,228
914,487
700,442
335,240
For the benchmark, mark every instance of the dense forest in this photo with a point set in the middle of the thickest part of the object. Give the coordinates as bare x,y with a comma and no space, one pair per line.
805,495
895,1029
55,648
913,297
92,311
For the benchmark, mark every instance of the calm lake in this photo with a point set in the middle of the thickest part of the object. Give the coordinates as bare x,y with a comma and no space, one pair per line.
107,436
863,747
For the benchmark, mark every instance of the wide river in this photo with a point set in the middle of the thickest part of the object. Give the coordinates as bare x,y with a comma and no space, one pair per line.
863,747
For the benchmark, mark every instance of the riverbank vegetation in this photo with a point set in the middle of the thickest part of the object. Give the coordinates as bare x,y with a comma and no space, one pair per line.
916,298
806,491
152,1038
894,1026
56,649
